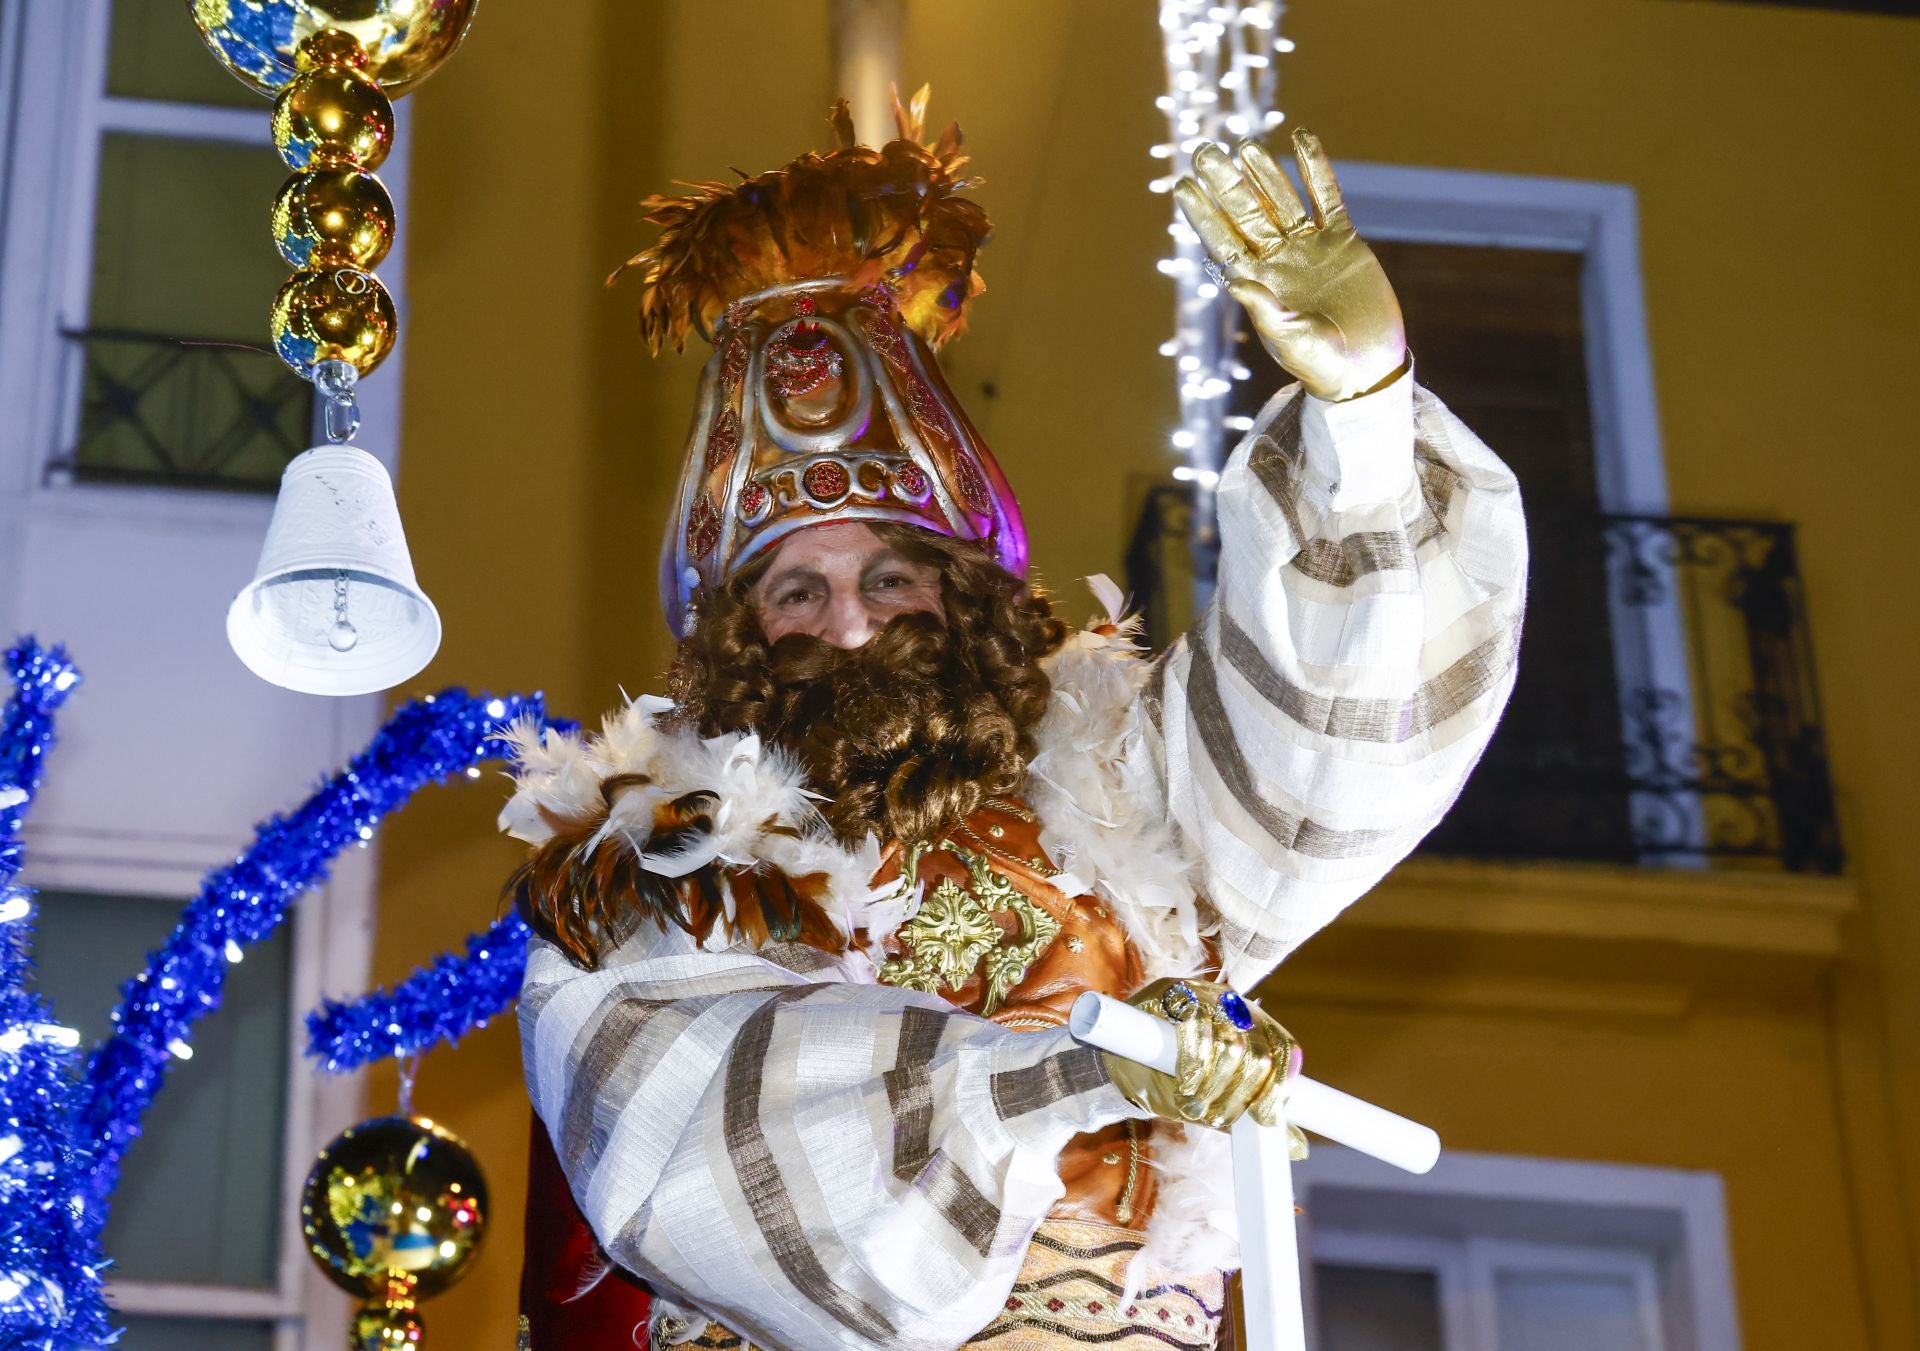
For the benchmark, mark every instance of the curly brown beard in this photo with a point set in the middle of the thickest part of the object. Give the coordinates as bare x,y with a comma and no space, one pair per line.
908,735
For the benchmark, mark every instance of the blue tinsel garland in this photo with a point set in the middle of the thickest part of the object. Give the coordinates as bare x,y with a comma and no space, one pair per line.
62,1136
246,900
442,1001
50,1297
42,678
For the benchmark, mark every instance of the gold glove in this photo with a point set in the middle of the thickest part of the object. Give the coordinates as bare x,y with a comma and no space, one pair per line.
1315,292
1233,1058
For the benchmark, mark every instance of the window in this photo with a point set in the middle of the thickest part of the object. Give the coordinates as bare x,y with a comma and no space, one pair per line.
171,381
200,1200
1500,336
1374,1293
1503,1254
1632,735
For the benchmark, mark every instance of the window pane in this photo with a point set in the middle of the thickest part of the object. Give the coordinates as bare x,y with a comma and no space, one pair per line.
1377,1309
181,243
1499,334
181,250
1567,1311
194,1334
199,1197
156,54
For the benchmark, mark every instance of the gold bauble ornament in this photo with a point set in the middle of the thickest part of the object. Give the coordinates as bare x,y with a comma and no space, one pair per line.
394,1210
259,40
386,1327
330,49
333,217
336,117
333,314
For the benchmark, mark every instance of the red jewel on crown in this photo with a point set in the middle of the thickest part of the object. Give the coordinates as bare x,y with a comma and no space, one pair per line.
703,528
724,439
973,485
801,360
911,482
926,408
886,338
805,306
733,363
826,481
754,501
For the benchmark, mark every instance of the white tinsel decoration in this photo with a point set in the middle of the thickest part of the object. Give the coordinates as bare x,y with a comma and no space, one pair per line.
1221,81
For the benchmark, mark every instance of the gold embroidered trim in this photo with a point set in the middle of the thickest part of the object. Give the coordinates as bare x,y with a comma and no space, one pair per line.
1013,809
1038,865
1123,1208
1070,1292
954,932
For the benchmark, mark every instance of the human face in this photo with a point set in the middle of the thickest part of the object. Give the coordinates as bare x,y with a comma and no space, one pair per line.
841,583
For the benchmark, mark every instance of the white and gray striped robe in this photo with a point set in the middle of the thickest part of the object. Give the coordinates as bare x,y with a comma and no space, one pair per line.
817,1162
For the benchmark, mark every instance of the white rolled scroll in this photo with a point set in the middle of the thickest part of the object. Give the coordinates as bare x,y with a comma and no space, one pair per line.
1123,1030
1262,1171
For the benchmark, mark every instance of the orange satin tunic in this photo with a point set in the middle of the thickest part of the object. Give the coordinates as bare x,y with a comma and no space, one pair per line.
994,935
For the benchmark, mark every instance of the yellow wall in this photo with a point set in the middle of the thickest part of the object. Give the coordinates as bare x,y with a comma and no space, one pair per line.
1775,156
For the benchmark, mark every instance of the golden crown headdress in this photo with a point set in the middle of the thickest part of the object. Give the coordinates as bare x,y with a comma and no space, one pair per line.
824,287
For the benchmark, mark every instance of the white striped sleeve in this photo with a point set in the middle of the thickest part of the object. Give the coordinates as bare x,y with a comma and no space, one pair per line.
1323,713
809,1161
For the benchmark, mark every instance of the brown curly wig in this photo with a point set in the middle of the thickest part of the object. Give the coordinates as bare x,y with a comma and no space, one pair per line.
907,735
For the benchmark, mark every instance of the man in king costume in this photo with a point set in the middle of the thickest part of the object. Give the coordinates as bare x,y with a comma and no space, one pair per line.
794,1024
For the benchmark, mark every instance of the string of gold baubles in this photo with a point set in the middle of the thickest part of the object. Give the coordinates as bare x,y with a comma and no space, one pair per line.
394,1208
334,606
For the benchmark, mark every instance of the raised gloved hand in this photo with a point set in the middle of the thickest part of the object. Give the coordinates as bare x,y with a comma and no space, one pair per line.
1316,294
1233,1058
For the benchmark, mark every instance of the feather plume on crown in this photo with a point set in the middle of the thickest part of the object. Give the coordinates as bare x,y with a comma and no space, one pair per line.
892,213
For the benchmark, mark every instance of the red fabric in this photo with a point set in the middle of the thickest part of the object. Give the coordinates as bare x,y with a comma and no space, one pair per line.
561,1256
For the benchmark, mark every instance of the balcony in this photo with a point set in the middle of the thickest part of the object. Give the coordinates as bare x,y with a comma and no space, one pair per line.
1660,782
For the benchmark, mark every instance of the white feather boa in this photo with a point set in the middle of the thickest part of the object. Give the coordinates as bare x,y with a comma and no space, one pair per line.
1103,819
763,812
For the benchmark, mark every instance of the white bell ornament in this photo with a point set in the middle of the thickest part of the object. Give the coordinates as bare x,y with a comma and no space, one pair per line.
334,607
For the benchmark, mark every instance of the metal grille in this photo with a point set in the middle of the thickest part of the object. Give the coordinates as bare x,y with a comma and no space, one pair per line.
1701,744
183,412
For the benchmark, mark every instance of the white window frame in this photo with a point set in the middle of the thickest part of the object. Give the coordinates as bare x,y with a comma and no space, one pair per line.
1601,223
1476,1215
1467,1272
53,61
1598,221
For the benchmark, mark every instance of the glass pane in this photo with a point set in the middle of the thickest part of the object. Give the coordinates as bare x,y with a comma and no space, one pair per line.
1500,335
199,1198
154,53
1376,1309
1567,1311
147,1333
181,251
181,241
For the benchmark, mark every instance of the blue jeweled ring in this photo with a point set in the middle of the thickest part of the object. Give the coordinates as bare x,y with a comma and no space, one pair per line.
1179,1002
1234,1009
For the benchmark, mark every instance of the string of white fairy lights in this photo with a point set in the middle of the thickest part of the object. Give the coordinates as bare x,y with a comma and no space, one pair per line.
1221,83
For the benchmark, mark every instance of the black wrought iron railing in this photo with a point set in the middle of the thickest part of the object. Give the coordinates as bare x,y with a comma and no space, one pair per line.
182,412
1667,710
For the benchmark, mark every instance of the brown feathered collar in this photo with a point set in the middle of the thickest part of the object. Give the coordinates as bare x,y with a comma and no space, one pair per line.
716,835
650,821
